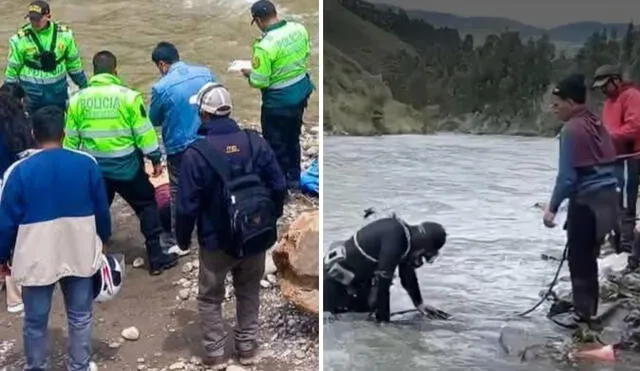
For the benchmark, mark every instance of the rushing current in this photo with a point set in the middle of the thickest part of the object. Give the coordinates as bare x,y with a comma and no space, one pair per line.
482,189
210,32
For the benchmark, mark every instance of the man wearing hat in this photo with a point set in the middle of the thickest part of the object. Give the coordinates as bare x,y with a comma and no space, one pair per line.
280,70
621,115
201,200
41,55
586,177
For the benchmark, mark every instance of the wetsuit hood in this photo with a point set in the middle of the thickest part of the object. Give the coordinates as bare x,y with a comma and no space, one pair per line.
428,237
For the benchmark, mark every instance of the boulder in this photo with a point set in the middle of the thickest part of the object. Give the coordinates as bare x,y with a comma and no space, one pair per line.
296,257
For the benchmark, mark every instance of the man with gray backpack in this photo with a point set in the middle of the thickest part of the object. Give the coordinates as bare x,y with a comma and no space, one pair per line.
232,187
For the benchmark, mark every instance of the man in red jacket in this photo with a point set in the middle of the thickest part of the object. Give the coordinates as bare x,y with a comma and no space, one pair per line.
621,116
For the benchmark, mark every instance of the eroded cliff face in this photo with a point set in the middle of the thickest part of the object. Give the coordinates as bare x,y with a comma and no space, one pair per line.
359,103
357,100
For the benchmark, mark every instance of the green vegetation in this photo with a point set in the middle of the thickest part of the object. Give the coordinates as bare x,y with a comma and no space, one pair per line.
357,100
500,86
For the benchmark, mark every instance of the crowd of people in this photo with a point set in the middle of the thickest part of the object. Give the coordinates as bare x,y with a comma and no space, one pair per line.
64,159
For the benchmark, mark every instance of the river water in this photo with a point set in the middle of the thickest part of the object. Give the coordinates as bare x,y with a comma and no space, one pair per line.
482,189
210,32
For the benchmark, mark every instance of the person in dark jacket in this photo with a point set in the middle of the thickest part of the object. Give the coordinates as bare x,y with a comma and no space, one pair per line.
358,272
15,136
586,176
15,141
200,200
17,92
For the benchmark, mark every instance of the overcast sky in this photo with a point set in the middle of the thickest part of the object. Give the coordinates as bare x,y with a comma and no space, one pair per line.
542,13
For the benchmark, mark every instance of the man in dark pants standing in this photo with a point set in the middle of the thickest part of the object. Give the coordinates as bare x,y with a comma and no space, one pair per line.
201,200
621,115
279,69
179,120
586,176
109,121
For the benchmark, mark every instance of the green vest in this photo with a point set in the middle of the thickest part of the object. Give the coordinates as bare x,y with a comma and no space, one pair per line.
109,121
24,65
280,65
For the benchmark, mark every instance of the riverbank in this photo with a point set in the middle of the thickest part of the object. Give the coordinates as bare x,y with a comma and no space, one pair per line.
475,124
163,309
372,111
618,320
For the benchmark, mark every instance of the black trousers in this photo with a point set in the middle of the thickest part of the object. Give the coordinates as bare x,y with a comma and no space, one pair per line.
336,299
140,195
281,128
629,178
583,251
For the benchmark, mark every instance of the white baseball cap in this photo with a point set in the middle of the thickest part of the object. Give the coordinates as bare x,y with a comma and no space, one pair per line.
213,98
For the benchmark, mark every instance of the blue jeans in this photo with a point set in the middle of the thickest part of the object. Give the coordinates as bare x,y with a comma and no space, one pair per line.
78,300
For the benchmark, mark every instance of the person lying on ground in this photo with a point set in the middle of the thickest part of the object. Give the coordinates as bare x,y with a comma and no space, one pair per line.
161,184
110,122
586,176
621,116
228,156
170,109
54,220
358,272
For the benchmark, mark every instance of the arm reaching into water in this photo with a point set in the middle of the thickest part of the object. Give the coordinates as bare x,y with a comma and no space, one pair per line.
409,282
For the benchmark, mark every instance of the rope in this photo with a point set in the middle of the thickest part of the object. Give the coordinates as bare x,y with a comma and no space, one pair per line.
551,286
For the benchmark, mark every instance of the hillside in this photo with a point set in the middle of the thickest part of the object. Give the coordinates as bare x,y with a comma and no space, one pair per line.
357,100
456,83
579,32
362,41
376,51
358,103
481,27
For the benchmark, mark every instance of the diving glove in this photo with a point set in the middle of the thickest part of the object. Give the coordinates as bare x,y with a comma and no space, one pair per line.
431,312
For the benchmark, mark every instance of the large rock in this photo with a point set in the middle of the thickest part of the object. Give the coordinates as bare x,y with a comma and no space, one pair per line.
296,257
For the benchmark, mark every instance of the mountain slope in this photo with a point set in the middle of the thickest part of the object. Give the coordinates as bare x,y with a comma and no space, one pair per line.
357,103
578,32
357,100
480,27
362,41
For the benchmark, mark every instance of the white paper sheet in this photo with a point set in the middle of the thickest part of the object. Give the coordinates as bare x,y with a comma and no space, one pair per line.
239,65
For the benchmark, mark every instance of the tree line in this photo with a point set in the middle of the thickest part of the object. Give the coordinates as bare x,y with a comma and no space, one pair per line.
504,76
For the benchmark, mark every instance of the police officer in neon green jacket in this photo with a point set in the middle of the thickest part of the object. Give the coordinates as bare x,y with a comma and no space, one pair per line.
109,121
41,55
280,70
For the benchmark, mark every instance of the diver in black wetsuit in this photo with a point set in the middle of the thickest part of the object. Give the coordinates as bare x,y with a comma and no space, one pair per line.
358,272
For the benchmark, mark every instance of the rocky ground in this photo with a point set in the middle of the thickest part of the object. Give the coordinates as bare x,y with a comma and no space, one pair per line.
153,323
618,321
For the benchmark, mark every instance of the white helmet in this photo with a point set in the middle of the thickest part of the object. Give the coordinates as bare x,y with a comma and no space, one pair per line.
108,279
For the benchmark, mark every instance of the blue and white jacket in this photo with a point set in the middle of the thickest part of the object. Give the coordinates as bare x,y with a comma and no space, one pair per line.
54,217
